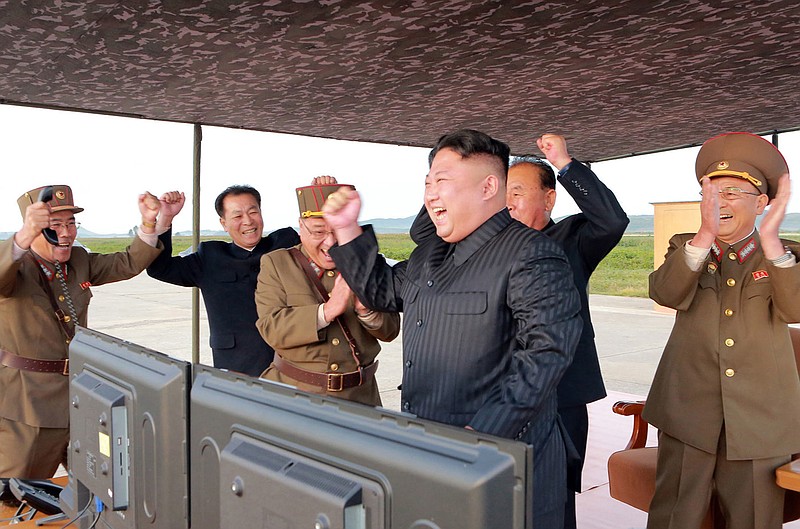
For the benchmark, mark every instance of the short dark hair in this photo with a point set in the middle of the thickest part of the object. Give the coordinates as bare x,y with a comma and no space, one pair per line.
468,142
547,177
235,191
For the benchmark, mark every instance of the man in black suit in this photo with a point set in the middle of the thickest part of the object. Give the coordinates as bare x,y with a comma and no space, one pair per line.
586,239
226,273
491,313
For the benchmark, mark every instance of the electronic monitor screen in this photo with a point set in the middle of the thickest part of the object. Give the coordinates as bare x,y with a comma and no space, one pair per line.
128,433
267,455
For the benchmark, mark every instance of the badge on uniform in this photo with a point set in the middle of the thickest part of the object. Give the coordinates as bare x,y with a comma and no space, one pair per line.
760,274
85,285
712,267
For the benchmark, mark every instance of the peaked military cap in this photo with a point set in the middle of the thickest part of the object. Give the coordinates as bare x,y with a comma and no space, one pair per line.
62,199
742,155
312,198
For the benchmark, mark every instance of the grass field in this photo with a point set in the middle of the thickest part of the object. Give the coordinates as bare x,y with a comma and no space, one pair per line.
623,273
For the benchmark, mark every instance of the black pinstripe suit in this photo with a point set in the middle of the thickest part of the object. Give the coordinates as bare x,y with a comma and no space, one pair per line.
490,325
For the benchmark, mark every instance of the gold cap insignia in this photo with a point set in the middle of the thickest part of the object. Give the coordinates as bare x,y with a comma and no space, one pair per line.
722,165
61,195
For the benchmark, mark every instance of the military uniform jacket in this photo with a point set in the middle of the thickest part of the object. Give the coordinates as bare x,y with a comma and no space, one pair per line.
226,275
729,358
29,328
287,305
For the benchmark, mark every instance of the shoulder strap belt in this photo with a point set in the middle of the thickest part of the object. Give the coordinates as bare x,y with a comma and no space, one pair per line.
302,261
60,316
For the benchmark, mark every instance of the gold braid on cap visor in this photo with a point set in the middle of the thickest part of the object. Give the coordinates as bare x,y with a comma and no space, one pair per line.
741,174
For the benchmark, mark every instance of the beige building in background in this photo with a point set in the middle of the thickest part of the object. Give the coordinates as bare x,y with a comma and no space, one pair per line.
670,218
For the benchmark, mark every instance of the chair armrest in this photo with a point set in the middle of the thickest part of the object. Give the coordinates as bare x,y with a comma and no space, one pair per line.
639,434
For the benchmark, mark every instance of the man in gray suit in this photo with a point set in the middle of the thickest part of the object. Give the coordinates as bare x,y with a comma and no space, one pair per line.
491,313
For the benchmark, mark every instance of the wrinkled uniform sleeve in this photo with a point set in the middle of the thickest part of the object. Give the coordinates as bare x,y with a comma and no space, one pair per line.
389,329
545,306
110,268
674,284
786,287
285,320
8,268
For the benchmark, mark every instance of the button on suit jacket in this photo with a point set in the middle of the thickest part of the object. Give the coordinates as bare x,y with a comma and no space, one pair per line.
729,358
586,239
490,325
29,328
226,275
287,304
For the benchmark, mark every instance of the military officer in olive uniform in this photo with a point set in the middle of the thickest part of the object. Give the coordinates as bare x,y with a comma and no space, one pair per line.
329,346
726,395
44,291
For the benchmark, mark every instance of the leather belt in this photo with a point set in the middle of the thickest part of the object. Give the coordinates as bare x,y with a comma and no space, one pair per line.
10,359
329,381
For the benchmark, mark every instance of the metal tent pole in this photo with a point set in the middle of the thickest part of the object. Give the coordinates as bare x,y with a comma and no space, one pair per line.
198,140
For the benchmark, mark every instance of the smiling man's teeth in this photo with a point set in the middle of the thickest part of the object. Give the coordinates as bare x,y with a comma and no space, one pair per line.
248,232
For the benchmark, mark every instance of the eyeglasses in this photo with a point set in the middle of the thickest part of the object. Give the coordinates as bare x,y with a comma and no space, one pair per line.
317,235
733,193
71,225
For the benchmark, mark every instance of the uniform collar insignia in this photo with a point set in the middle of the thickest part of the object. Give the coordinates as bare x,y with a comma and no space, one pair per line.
320,272
717,251
746,250
50,272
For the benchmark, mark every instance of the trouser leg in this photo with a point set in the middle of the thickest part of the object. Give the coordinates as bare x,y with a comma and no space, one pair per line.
683,485
747,492
576,423
549,481
31,452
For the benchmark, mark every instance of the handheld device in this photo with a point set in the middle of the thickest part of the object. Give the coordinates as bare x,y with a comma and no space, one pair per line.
50,234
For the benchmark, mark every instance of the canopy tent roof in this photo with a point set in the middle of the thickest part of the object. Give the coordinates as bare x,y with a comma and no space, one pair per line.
617,77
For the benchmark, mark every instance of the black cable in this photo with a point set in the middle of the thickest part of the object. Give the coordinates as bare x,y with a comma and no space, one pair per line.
95,520
81,513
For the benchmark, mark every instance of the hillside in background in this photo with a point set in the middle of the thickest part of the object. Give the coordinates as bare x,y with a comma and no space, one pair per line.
639,224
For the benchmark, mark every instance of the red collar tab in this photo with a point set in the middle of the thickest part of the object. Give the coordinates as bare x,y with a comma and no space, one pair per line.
717,251
49,272
746,250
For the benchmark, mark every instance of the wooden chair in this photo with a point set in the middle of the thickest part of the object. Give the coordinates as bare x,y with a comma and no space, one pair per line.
632,471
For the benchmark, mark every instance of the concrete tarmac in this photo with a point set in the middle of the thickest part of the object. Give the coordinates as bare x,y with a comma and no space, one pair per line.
630,334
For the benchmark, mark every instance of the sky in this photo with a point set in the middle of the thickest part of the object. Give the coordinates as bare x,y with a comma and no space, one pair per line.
108,161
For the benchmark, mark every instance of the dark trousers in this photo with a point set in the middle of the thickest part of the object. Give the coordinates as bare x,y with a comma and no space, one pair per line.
576,423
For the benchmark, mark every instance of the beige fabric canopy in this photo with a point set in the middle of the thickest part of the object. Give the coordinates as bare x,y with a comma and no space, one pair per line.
617,77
